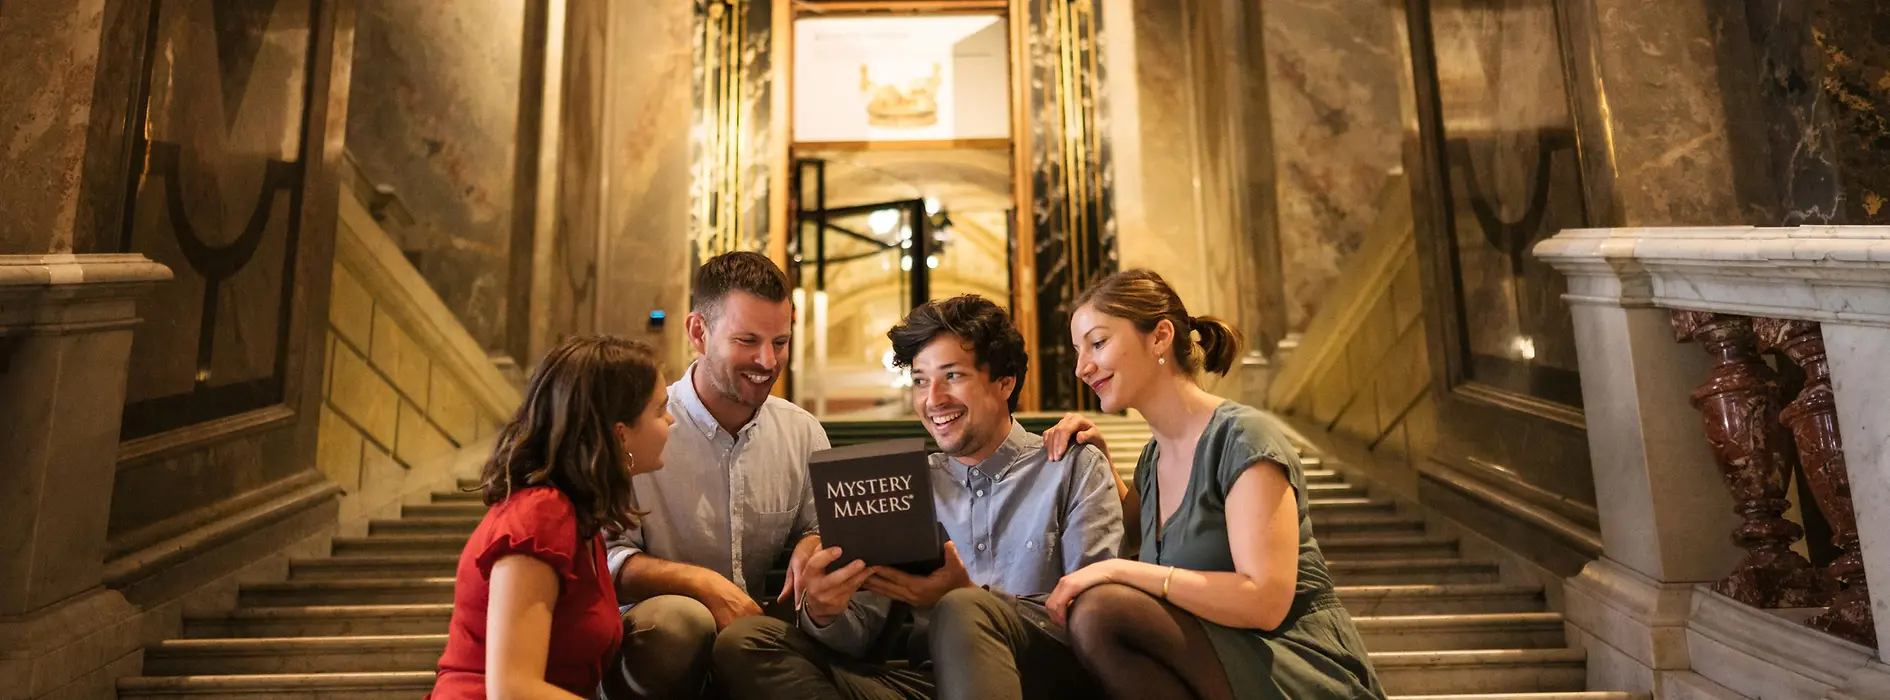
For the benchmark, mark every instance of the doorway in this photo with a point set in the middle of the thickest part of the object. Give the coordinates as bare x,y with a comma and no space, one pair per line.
901,184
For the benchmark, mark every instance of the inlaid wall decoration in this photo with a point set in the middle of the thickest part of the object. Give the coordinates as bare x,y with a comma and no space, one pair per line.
1514,178
731,144
1071,205
217,177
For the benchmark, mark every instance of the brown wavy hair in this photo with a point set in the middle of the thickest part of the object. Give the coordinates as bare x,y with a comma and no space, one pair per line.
979,323
562,434
1145,299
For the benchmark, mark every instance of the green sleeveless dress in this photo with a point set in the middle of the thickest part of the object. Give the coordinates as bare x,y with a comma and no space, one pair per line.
1316,652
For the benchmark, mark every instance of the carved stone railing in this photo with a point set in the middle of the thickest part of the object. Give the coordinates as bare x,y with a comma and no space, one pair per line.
1817,300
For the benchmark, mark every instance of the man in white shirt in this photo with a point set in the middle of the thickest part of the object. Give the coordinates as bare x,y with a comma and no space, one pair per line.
733,495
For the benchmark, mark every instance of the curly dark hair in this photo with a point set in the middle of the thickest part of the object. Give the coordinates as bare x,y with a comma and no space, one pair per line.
562,435
984,327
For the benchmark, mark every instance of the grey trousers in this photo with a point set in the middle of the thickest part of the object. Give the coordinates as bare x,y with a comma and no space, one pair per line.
667,641
981,649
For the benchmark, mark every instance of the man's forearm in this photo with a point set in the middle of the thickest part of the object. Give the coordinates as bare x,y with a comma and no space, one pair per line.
644,576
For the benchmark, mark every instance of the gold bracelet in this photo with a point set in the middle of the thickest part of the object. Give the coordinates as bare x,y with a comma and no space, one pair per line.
1167,580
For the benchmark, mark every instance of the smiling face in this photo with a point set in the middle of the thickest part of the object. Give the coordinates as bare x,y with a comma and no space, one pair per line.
744,345
1116,360
966,411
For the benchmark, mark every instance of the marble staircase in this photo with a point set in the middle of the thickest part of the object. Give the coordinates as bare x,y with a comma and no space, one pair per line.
1438,624
369,621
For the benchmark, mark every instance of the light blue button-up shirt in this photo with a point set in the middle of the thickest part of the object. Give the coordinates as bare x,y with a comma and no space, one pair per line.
1019,520
726,502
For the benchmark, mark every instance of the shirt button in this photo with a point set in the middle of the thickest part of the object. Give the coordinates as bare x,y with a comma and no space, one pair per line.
1030,545
980,546
980,492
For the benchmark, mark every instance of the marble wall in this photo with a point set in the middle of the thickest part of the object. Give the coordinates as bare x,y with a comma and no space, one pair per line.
1852,40
1333,81
435,116
65,100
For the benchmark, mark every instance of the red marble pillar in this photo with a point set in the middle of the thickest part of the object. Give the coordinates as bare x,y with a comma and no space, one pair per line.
1813,418
1739,404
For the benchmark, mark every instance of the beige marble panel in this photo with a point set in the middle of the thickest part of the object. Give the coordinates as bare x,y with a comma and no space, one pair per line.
381,473
338,450
419,442
400,359
364,397
351,309
1404,374
1359,418
450,407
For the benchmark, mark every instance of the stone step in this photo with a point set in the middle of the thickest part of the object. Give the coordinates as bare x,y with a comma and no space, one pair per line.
1454,632
1579,695
1400,571
352,592
1321,504
191,657
462,526
1366,523
1337,489
288,686
402,544
1373,547
1481,671
322,621
374,566
444,510
1323,476
1465,598
458,497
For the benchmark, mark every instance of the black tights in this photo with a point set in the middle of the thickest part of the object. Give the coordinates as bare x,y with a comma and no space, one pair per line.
1141,647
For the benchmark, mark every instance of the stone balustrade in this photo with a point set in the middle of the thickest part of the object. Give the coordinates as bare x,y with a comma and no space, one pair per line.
1695,444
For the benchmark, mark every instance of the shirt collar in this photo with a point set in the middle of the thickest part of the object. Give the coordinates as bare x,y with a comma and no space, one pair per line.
1018,444
684,393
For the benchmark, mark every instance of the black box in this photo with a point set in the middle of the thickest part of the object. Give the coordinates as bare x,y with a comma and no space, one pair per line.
875,503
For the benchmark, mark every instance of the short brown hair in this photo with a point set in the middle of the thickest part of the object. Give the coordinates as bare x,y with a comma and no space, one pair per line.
562,435
1145,299
981,325
742,271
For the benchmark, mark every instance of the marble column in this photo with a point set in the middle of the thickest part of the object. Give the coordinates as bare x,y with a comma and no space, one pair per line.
1666,518
65,339
1668,104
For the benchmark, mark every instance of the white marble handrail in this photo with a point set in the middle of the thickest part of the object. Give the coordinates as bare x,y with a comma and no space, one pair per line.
1663,513
1815,273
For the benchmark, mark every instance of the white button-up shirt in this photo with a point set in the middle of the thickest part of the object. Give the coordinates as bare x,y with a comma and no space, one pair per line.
726,502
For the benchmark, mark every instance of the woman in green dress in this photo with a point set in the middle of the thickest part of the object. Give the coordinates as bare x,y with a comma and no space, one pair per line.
1229,597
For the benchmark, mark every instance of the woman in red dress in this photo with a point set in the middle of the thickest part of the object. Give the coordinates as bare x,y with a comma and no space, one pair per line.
534,608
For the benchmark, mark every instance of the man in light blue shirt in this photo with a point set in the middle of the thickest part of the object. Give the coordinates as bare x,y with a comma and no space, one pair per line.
735,492
1018,521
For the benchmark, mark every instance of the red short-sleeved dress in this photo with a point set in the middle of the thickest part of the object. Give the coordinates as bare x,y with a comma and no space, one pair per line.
585,626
